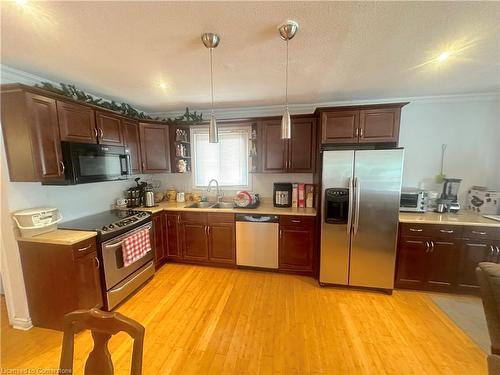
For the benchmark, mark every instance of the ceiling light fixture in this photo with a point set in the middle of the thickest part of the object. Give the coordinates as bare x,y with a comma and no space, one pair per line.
163,85
444,55
287,32
22,3
211,41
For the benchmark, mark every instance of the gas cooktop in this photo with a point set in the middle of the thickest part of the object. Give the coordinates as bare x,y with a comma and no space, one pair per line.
109,223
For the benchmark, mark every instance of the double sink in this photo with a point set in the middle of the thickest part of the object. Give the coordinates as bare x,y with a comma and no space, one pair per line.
211,205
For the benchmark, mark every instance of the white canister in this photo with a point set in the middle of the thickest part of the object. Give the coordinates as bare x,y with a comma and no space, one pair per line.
180,197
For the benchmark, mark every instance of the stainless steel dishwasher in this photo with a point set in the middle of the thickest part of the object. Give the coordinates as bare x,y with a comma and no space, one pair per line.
257,240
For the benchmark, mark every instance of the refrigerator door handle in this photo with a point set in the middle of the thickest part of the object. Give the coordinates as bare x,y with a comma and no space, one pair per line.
356,214
350,210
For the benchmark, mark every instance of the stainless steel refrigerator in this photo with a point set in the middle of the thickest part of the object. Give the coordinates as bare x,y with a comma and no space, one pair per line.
360,197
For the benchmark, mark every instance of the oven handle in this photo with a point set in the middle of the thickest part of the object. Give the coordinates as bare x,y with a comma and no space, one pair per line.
116,244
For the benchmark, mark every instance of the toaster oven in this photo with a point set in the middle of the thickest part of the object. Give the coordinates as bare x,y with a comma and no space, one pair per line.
413,201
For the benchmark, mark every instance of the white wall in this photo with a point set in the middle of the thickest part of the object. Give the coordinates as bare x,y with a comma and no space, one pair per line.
470,128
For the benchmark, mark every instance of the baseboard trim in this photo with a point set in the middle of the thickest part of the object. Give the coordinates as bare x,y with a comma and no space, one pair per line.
22,324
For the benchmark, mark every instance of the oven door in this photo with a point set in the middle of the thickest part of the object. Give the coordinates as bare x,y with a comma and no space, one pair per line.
93,162
112,257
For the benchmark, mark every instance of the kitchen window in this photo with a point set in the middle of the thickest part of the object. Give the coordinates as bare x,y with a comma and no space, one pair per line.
226,161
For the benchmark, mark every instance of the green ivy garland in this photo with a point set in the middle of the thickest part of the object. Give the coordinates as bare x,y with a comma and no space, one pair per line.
125,109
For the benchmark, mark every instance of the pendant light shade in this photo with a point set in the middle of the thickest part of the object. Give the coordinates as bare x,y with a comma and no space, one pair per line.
213,130
287,31
211,41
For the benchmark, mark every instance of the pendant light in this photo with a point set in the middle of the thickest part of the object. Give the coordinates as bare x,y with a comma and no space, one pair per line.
287,32
211,41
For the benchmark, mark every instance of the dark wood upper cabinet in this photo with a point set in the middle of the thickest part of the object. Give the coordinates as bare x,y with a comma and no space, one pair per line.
296,155
155,147
46,131
273,157
31,136
131,140
339,127
379,125
76,122
109,128
174,247
221,238
302,146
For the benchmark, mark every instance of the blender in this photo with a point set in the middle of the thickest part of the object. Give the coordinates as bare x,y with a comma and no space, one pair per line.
448,202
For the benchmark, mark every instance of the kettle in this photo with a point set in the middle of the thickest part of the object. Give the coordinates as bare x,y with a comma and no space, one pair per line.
149,199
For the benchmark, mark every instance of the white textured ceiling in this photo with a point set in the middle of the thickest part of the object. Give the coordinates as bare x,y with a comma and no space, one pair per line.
343,51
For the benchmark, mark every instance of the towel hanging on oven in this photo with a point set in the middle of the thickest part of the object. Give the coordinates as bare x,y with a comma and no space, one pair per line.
135,247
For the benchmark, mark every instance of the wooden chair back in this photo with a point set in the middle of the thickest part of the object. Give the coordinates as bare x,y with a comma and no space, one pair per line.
103,325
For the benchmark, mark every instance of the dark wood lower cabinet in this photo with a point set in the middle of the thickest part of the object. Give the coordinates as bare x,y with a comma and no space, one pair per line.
221,238
159,240
60,279
174,247
442,258
195,242
296,244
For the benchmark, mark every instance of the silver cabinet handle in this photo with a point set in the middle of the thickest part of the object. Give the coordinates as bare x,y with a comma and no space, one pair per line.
84,248
206,231
356,132
62,167
96,134
492,250
97,263
427,246
478,232
357,187
281,233
415,230
101,133
432,246
498,250
360,132
295,221
446,230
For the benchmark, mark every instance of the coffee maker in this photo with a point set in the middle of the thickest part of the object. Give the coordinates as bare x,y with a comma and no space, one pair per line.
135,195
448,202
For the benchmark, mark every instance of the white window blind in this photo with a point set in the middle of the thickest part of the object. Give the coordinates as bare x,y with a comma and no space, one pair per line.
226,161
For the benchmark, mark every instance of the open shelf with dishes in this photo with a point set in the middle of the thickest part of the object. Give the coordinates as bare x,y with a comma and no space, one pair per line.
181,151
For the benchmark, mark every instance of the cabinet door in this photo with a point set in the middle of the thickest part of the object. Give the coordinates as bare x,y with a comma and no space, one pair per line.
109,127
155,148
131,140
194,240
339,127
88,281
301,148
273,158
296,249
158,239
474,252
379,125
222,243
45,127
76,123
174,249
442,265
412,262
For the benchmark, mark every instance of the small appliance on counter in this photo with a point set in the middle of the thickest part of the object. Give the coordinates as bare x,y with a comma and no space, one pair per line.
135,195
282,194
244,199
34,221
413,200
448,202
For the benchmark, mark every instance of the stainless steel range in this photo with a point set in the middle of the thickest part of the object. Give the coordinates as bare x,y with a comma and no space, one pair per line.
112,227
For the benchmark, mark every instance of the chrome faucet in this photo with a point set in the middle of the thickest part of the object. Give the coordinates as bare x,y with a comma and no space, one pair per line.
220,194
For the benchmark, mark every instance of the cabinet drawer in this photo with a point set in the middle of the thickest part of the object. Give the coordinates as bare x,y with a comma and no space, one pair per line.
84,247
490,233
215,217
194,217
301,221
448,231
420,230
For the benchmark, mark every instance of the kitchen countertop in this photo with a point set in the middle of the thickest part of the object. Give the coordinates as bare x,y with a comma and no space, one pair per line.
460,218
265,208
60,237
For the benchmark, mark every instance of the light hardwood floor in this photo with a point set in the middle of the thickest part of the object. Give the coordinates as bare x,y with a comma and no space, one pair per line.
202,320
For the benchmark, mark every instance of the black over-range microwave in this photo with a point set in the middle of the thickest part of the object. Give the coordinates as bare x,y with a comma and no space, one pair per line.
86,162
